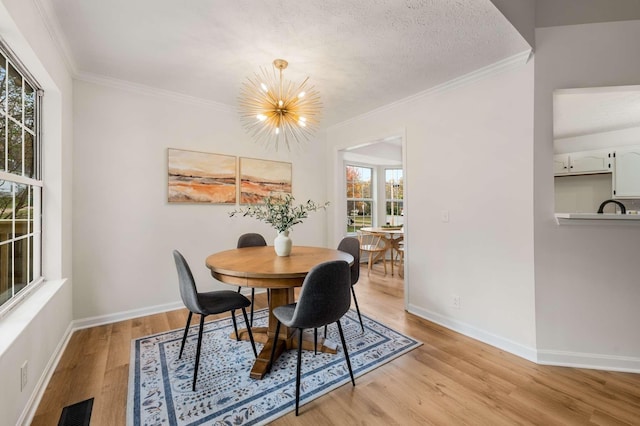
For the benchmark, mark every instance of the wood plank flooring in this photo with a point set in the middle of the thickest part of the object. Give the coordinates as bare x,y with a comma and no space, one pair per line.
450,380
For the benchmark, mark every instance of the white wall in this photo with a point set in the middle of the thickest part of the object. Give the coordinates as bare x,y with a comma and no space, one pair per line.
551,13
521,14
468,151
36,329
583,193
587,288
615,138
124,229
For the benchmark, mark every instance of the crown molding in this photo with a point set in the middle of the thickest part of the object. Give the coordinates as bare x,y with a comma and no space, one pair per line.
151,91
52,25
479,74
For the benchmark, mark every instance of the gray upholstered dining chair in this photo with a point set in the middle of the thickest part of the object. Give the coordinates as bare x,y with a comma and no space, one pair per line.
207,303
251,239
349,245
324,299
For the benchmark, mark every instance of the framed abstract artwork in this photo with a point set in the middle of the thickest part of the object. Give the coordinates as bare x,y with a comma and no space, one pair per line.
263,178
200,177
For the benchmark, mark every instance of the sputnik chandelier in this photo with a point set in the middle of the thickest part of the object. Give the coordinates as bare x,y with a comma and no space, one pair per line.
273,110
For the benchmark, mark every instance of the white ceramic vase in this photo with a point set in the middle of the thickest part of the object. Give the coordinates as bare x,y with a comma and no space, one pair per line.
282,244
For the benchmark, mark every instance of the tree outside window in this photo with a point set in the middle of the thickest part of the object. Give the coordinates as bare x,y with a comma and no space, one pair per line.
394,196
359,197
20,184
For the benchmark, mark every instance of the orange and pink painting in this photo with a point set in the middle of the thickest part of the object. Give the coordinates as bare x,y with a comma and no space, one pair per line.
200,177
263,178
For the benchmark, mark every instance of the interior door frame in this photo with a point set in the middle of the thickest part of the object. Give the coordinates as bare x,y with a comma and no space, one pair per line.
339,200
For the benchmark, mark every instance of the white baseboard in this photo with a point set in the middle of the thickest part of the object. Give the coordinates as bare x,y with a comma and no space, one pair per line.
125,315
591,361
476,333
136,313
34,400
542,357
247,290
31,407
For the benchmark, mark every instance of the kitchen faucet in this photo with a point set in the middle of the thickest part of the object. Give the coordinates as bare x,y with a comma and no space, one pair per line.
623,209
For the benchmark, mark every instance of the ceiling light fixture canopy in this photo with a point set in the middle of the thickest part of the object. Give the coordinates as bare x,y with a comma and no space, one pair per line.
274,110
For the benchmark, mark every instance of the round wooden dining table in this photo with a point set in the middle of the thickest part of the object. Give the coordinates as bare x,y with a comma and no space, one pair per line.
260,267
392,238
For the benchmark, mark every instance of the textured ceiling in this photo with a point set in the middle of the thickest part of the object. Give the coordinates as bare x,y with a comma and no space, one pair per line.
359,54
580,112
386,152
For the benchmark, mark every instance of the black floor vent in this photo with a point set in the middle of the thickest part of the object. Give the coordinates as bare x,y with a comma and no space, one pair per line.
77,414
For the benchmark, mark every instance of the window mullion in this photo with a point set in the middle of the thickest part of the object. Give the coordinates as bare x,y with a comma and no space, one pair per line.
22,126
20,179
5,108
21,193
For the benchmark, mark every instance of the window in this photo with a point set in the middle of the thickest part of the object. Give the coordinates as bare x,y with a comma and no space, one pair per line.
359,197
20,182
394,196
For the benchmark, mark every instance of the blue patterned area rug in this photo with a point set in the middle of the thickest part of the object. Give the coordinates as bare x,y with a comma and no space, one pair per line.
160,383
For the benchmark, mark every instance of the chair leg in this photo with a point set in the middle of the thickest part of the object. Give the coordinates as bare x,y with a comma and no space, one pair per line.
273,348
195,369
325,331
357,308
235,325
253,294
186,331
369,264
315,341
298,369
346,353
246,321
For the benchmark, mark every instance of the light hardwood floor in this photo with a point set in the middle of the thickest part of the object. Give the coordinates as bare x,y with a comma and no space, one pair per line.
449,380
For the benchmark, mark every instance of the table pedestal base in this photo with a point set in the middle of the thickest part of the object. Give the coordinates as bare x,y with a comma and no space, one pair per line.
260,334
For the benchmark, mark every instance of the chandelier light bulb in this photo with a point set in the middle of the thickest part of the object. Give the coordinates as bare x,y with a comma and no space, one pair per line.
274,110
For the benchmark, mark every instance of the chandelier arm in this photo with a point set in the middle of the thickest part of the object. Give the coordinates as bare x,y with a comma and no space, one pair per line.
280,93
272,110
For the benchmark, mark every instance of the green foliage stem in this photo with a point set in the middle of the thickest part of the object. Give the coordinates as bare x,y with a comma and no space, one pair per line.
280,213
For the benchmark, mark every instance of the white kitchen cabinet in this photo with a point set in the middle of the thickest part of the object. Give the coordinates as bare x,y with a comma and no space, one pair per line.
626,175
591,162
561,164
584,162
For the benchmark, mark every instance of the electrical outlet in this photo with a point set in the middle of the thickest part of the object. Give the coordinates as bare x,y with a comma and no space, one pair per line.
24,376
455,301
444,215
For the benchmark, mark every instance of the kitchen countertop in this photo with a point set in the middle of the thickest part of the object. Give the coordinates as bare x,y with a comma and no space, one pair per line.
596,218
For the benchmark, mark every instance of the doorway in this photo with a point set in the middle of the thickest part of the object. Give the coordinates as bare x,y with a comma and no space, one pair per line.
371,191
